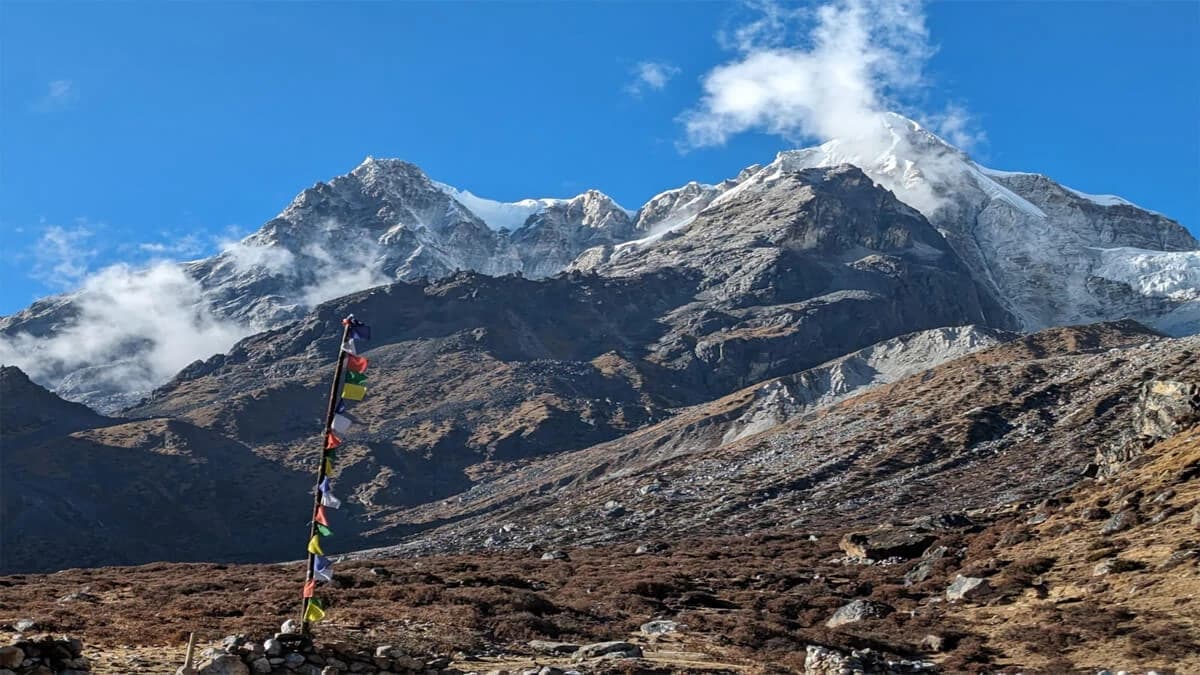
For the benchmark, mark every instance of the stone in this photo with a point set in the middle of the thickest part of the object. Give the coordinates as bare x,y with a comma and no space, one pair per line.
262,665
384,651
329,670
23,625
405,662
317,659
858,610
290,626
1196,517
358,667
78,663
11,657
933,643
1115,566
272,647
659,627
1120,522
1095,513
886,543
293,660
555,555
967,588
6,671
335,663
224,664
551,670
381,572
231,642
626,650
650,547
924,568
550,647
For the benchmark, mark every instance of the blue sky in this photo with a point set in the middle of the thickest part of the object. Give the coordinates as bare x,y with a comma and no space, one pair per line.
130,131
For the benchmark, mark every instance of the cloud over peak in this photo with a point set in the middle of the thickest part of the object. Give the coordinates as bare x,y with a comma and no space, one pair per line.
818,73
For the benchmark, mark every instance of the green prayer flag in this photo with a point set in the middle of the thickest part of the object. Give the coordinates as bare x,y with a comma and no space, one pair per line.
325,531
355,378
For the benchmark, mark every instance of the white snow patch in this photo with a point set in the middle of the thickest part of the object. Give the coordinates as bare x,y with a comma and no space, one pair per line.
1170,274
495,214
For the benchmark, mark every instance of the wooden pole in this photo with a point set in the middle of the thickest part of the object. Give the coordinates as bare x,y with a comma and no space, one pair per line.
333,399
187,659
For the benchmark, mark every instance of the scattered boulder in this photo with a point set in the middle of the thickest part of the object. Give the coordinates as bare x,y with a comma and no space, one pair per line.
967,588
923,569
11,657
659,627
886,543
1120,522
933,643
1115,566
858,610
650,547
224,664
626,650
550,647
820,660
23,625
555,555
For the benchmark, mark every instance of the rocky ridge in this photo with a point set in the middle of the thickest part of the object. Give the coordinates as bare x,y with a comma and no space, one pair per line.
1039,254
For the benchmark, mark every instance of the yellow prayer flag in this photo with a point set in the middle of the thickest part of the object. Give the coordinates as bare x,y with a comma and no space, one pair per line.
328,467
314,612
354,392
314,546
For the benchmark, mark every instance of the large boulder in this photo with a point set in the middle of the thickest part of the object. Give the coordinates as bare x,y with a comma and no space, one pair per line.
886,542
858,610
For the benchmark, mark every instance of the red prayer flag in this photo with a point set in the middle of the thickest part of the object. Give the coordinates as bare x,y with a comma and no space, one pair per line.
331,441
320,517
356,364
310,588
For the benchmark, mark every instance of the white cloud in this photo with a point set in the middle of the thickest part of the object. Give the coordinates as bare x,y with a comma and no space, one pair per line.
650,76
815,74
59,95
138,326
62,256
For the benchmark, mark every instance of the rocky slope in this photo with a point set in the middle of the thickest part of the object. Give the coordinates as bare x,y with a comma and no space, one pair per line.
1012,422
1056,585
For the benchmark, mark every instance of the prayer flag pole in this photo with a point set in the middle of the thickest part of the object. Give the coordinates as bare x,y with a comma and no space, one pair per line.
334,396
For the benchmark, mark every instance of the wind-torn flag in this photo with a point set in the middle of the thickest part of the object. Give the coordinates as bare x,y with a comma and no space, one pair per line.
321,517
359,331
349,347
314,545
331,441
355,378
357,364
322,569
354,392
315,611
310,588
327,498
341,423
325,531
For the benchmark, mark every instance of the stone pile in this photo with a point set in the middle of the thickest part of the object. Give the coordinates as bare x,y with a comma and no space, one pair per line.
292,654
44,656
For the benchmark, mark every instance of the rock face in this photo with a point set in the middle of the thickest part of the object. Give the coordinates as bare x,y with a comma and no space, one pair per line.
1166,407
44,656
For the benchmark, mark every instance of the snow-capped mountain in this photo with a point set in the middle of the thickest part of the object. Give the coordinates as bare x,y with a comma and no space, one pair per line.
1043,253
1051,255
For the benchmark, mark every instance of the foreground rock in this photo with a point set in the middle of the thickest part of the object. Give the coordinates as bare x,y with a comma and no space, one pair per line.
44,656
291,653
